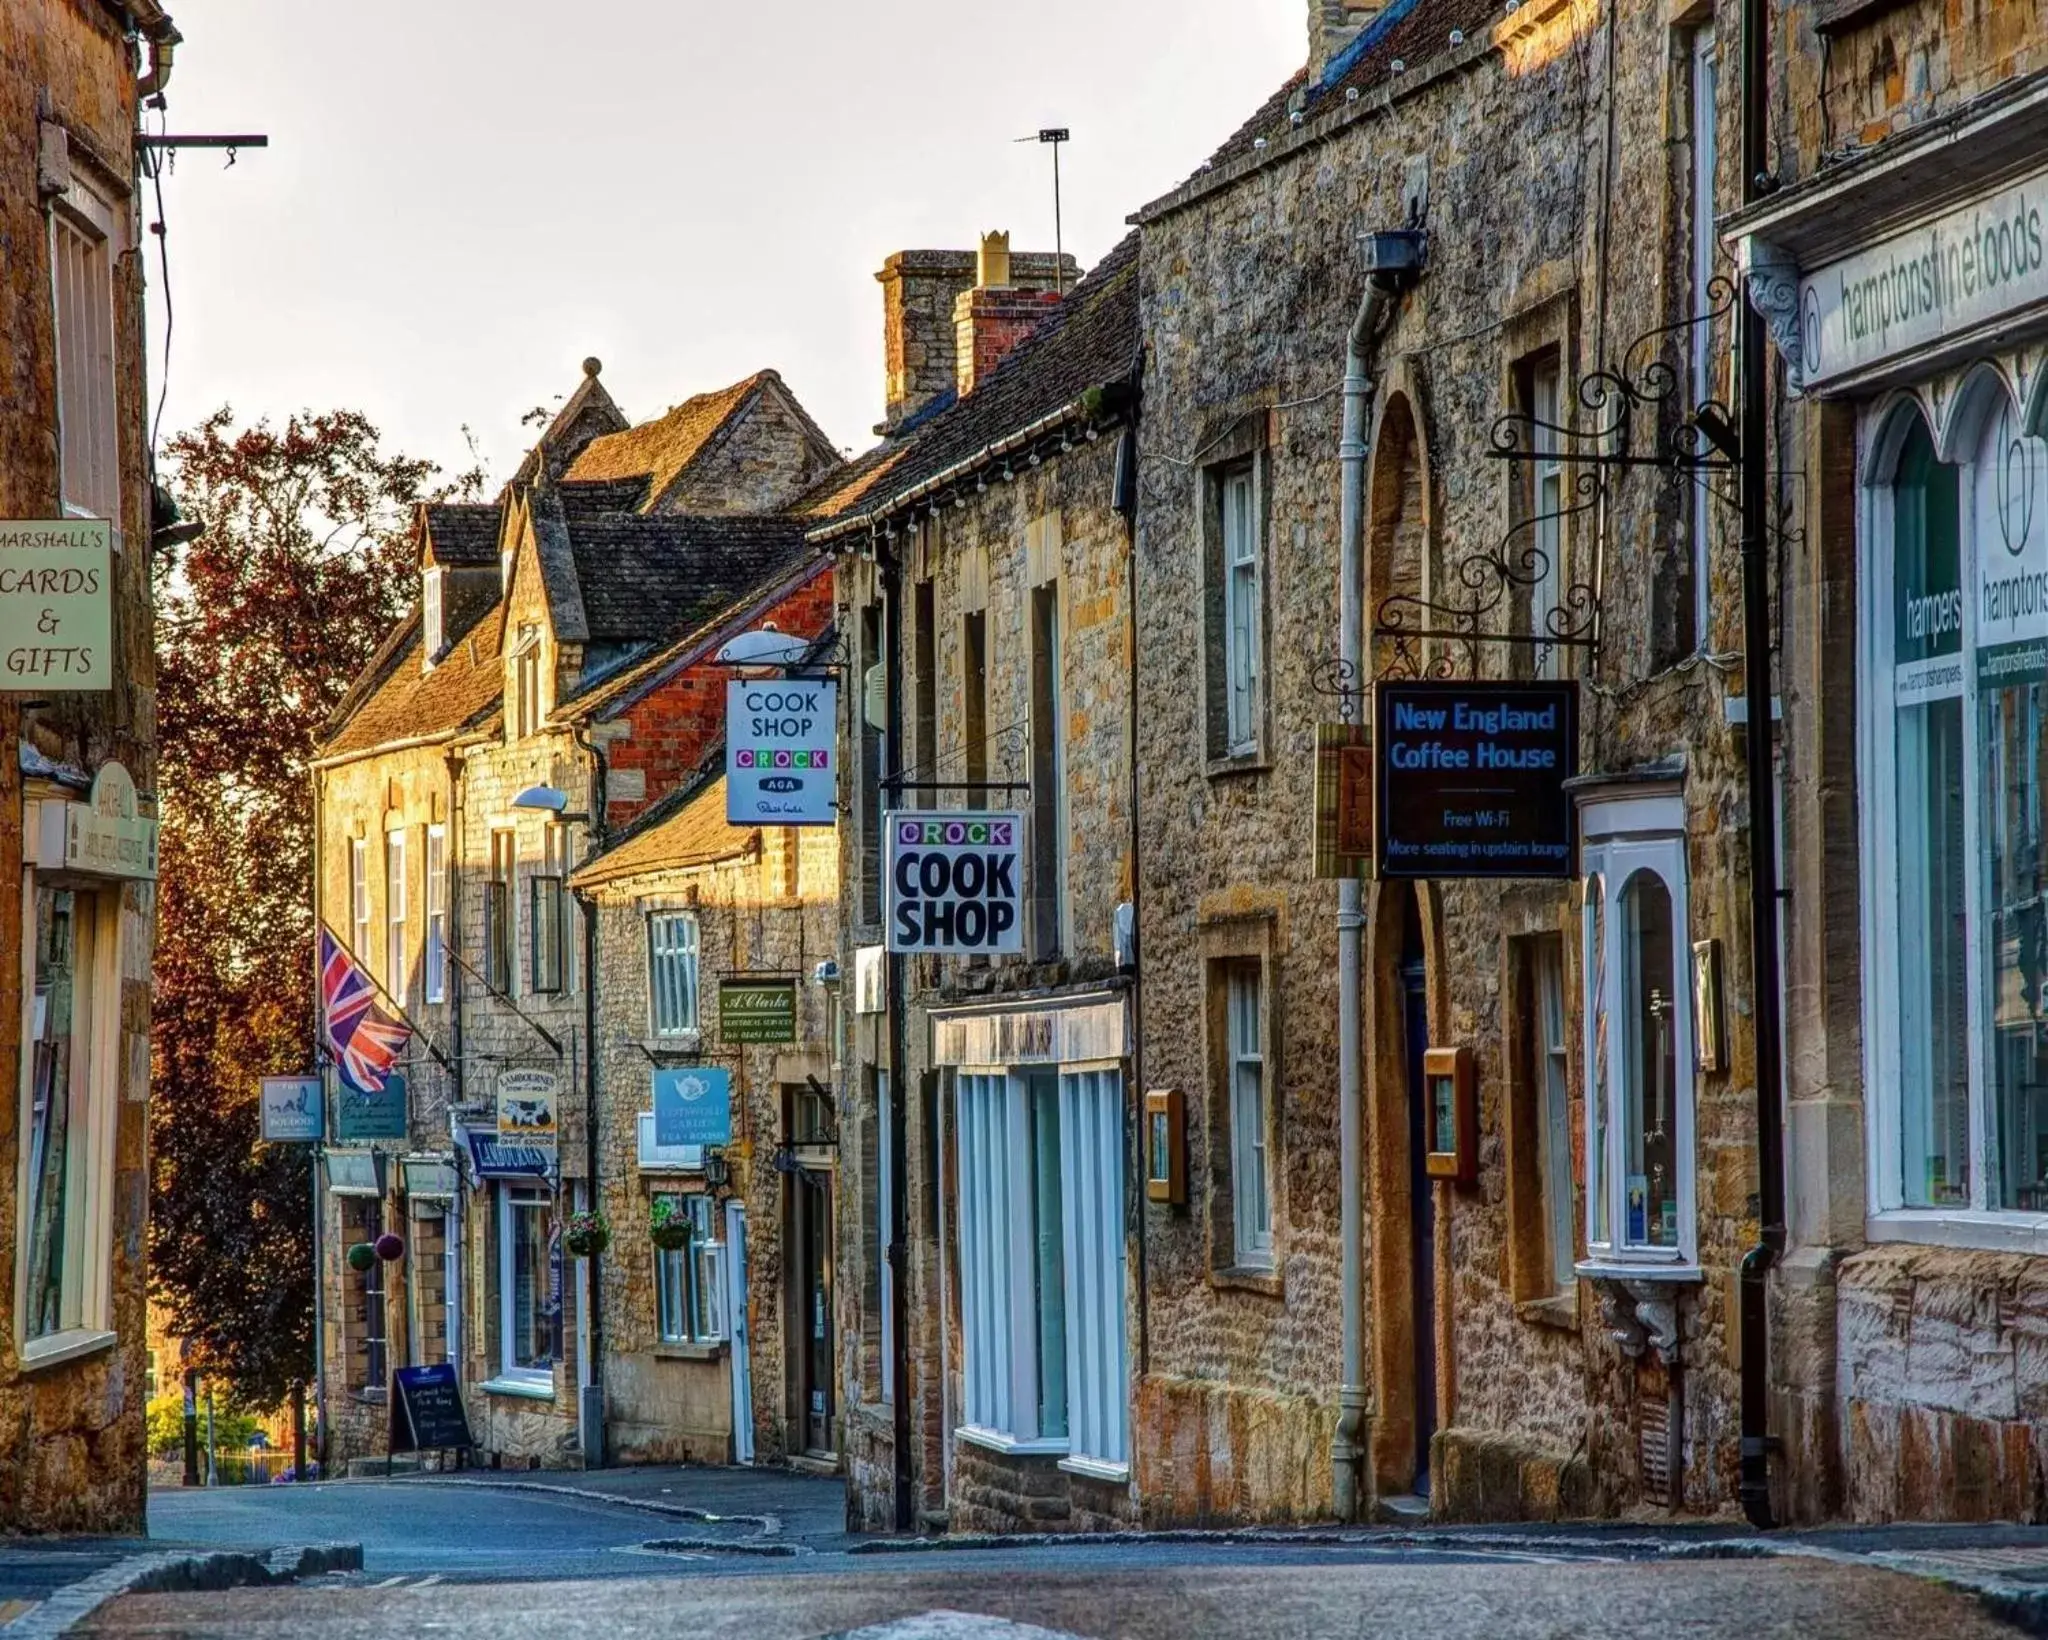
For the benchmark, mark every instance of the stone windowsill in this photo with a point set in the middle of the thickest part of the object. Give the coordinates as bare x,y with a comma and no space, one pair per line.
517,1389
1094,1469
1265,1279
1978,1232
1243,763
370,1395
1613,1269
689,1352
58,1348
994,1440
1559,1310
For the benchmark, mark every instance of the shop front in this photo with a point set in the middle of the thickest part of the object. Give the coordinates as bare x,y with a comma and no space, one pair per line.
1910,291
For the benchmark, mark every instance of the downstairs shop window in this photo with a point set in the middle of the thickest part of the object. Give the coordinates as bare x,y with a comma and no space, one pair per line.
689,1284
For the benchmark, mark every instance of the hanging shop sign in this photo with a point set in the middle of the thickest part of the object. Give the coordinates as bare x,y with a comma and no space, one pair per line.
527,1102
378,1114
56,605
693,1106
293,1110
779,738
1343,800
757,1010
355,1173
1471,779
492,1158
429,1178
956,883
1984,262
107,835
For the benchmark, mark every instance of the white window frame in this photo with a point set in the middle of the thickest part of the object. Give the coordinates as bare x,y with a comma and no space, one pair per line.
397,912
1706,152
997,1240
87,237
526,683
1243,600
359,896
432,619
437,914
1554,1107
1546,503
695,1278
510,1374
1624,832
675,957
1887,1217
1251,1162
86,1304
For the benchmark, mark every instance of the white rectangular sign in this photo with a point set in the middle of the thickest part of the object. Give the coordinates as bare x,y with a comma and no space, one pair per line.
56,604
293,1110
780,734
1978,262
956,883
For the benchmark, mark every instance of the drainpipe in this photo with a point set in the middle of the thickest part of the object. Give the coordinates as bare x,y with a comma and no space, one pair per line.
592,1412
1757,1263
898,1136
1393,261
154,25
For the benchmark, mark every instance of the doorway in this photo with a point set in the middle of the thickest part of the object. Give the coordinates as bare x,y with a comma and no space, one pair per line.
1421,1190
813,1422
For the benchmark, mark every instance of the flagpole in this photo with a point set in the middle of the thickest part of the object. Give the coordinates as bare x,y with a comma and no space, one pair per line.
398,1007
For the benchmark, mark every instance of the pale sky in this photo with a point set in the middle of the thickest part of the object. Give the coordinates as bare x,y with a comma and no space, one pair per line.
464,198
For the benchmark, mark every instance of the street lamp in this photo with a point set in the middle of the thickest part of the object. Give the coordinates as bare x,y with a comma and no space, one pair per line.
548,800
765,647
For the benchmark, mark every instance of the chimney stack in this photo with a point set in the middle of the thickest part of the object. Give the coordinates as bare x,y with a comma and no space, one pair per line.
992,318
1333,25
921,292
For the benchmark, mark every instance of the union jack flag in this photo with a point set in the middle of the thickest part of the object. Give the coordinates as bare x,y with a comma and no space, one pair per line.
364,1041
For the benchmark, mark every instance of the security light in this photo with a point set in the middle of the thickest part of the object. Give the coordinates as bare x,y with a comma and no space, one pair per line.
547,800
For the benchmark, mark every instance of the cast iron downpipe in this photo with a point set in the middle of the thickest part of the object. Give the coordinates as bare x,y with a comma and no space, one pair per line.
1757,1264
898,1136
600,800
1349,1459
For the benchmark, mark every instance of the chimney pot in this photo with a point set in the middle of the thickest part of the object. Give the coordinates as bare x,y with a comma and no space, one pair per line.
992,269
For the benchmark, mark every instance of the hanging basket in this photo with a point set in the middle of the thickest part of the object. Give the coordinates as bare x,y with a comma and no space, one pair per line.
670,1235
586,1235
389,1247
361,1256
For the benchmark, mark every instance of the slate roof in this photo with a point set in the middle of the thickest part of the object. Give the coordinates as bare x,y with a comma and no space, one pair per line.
1089,340
1413,31
396,699
686,828
649,578
659,451
460,534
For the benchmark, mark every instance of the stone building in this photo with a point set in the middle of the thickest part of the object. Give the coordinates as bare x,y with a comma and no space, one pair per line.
1900,261
78,795
553,680
708,939
983,594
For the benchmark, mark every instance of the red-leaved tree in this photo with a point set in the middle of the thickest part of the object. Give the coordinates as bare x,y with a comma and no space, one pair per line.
262,624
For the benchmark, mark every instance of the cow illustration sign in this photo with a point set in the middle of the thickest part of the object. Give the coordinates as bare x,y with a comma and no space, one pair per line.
779,735
956,883
526,1107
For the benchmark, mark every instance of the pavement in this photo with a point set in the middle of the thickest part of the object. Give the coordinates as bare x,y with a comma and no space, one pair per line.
765,1552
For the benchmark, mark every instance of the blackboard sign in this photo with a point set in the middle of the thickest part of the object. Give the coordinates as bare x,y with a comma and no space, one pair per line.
1471,779
426,1410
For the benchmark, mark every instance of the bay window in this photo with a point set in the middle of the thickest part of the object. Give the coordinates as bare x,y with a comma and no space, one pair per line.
1639,1032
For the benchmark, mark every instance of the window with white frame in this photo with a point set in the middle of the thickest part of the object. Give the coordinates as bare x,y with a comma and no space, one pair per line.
672,972
437,914
65,1260
1042,1262
526,682
359,898
1706,159
1243,661
1554,1120
689,1283
396,908
87,237
1955,762
1251,1195
431,615
529,1293
1639,1033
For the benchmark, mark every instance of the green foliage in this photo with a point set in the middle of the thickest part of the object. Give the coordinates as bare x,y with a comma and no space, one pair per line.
262,625
232,1426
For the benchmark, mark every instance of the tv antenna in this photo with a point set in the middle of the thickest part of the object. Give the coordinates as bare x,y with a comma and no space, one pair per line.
1055,135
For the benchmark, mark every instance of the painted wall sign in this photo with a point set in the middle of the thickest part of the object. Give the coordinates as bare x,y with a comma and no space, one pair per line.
693,1106
956,882
757,1010
1982,261
293,1110
56,605
780,735
1471,779
527,1102
107,834
379,1115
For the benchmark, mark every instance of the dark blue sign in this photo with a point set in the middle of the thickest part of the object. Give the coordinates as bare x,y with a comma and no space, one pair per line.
426,1412
1472,779
693,1106
493,1159
379,1115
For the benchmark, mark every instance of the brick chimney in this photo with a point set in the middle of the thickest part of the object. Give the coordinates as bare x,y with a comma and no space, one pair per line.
920,333
993,317
1333,25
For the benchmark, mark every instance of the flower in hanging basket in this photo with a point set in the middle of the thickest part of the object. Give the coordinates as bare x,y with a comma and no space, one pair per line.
669,1225
586,1234
361,1256
389,1247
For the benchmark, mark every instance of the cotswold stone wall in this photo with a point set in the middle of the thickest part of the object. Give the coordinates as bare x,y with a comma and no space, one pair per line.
1250,282
768,458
